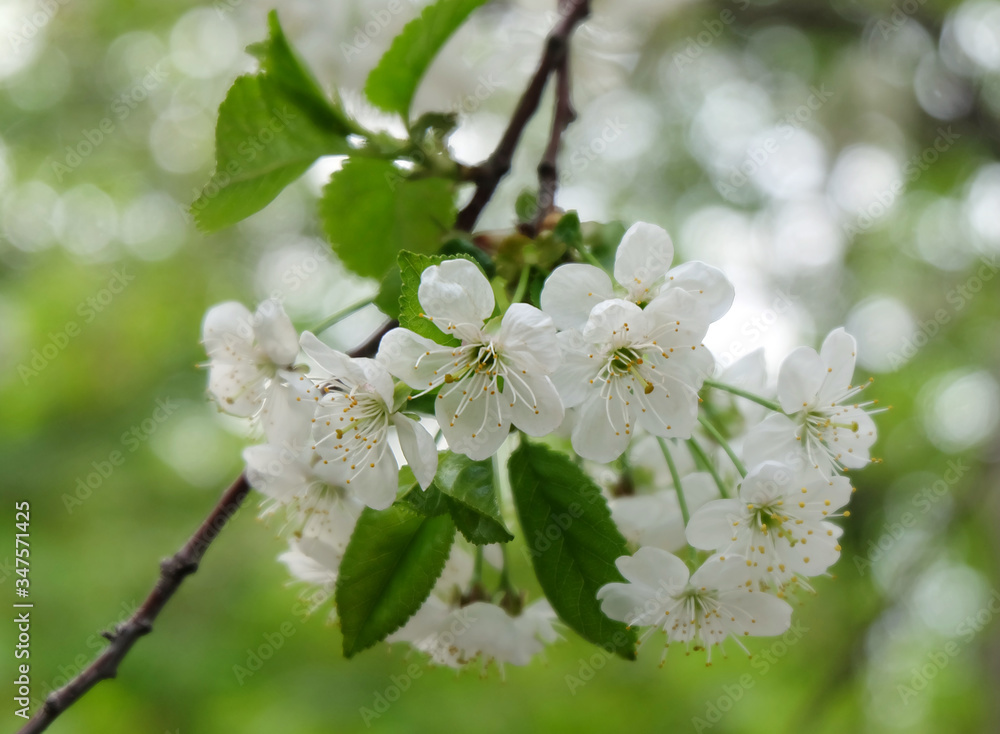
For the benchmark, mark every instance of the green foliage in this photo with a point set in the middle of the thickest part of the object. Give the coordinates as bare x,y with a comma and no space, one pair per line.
392,84
371,211
572,541
391,564
466,490
272,127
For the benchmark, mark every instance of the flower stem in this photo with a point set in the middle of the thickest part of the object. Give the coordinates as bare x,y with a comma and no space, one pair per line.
769,404
703,459
340,315
675,475
720,439
477,569
522,285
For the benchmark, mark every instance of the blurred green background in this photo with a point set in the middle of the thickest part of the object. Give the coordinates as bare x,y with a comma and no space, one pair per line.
837,160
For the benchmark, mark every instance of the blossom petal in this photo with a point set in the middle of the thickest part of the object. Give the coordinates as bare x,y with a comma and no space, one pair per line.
757,614
711,289
775,437
238,387
333,362
654,567
598,437
611,321
276,472
455,293
799,379
473,423
643,258
416,360
376,485
711,526
634,605
839,353
529,336
579,367
378,377
275,333
534,403
418,447
572,291
227,332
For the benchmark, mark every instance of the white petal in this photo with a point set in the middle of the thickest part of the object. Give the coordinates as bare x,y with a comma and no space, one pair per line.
416,360
455,292
376,486
767,482
378,378
534,403
275,333
471,420
529,336
276,472
287,413
711,289
334,363
418,448
238,388
572,291
596,436
611,322
757,613
227,331
631,604
654,567
838,354
799,379
774,438
643,258
711,527
579,367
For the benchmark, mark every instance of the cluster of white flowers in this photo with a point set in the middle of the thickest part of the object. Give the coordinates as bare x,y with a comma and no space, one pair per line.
617,366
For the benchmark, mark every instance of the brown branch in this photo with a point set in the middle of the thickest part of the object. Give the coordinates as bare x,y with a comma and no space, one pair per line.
489,173
173,571
548,171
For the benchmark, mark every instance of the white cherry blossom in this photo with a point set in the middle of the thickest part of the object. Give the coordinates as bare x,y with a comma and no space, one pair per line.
354,412
251,355
498,376
779,523
633,367
824,428
718,601
641,271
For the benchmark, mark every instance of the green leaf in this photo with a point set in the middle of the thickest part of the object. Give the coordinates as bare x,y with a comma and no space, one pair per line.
392,84
272,127
567,231
475,506
371,211
411,266
391,564
572,541
387,299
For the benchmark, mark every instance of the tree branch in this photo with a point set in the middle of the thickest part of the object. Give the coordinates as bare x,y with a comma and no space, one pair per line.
487,177
173,571
489,173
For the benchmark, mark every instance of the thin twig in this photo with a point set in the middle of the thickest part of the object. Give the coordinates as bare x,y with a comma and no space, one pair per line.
548,171
488,174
